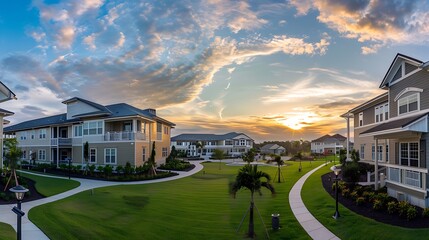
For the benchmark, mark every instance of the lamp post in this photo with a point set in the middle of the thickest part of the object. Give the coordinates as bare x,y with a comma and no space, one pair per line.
336,172
19,193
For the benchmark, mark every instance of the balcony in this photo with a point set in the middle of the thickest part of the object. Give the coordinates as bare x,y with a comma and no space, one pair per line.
124,136
61,142
406,177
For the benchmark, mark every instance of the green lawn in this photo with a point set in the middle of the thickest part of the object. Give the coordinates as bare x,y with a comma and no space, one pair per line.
196,207
7,232
349,225
48,186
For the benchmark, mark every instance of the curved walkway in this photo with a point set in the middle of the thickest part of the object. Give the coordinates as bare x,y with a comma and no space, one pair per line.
31,231
310,224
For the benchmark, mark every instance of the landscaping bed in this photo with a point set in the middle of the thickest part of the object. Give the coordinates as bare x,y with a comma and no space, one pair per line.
8,197
366,208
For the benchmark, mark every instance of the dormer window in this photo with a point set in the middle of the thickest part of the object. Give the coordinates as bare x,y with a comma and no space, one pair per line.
408,104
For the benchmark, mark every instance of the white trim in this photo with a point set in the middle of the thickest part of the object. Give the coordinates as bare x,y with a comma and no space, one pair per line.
407,186
89,160
116,156
369,102
408,89
404,76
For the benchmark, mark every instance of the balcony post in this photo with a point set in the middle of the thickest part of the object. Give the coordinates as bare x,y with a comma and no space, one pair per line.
376,164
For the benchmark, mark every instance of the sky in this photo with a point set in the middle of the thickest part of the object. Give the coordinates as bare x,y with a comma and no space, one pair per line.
274,70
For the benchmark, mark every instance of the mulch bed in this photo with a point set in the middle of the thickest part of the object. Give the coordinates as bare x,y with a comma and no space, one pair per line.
34,194
367,211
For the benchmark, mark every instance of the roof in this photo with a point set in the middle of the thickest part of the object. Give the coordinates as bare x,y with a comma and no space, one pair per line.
371,101
5,112
271,146
399,55
329,138
206,137
7,92
107,112
400,123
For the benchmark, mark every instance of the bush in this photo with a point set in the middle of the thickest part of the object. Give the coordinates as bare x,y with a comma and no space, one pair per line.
345,193
355,195
383,198
403,208
128,170
119,169
360,201
425,212
91,169
351,172
100,169
392,207
411,213
108,170
177,165
377,205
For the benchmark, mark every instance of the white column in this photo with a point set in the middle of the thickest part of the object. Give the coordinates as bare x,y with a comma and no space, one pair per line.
1,142
376,164
348,138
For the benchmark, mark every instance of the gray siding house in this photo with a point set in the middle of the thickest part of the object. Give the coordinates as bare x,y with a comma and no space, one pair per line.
232,143
116,134
391,130
5,95
273,149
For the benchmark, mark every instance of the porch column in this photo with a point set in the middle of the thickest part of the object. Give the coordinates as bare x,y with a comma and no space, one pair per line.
376,164
1,143
134,126
58,148
347,117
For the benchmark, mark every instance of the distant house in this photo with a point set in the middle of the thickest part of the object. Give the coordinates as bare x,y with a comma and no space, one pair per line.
231,143
116,134
273,149
5,95
329,144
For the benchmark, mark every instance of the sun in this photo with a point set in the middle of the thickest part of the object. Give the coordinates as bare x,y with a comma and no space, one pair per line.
298,120
293,123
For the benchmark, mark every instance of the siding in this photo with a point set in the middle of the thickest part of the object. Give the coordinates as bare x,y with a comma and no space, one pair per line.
368,113
78,107
125,152
77,154
139,152
418,80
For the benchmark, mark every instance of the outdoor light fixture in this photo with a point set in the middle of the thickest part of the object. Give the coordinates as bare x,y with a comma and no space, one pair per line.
336,172
19,193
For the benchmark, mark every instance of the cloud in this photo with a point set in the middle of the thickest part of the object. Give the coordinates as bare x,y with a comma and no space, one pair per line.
378,22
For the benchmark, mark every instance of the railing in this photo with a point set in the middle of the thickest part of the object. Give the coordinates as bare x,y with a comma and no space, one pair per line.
61,142
124,136
406,177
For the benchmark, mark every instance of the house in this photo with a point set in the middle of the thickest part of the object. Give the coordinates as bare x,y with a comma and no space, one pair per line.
328,144
272,149
5,95
232,143
116,134
391,130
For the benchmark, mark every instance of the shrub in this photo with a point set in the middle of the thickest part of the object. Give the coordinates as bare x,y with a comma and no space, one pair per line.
119,169
425,212
108,170
360,201
377,205
128,170
91,169
100,169
383,198
345,193
372,196
355,195
411,213
63,166
392,207
359,190
403,208
175,165
351,172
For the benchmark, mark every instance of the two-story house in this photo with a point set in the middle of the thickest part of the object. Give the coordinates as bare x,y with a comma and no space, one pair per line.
328,144
391,130
5,95
116,134
234,144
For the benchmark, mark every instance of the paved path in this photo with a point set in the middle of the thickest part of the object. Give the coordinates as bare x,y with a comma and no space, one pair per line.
31,231
310,224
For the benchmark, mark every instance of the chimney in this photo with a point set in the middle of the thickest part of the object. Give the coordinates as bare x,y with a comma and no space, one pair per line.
151,111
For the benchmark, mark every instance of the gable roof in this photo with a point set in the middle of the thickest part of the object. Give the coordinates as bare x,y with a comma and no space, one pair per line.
271,146
114,111
7,92
329,138
206,137
397,58
397,124
5,112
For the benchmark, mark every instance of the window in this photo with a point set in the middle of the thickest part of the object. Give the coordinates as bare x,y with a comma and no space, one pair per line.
42,133
110,155
410,154
93,155
382,113
77,130
242,142
165,130
158,127
42,154
93,128
128,127
373,152
379,152
408,104
228,142
362,151
24,154
387,153
144,154
361,119
32,134
164,152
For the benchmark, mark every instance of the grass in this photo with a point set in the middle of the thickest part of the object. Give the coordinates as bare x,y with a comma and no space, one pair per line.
350,225
196,207
48,186
7,232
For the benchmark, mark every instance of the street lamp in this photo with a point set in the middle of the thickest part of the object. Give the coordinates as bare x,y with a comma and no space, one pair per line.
336,172
19,193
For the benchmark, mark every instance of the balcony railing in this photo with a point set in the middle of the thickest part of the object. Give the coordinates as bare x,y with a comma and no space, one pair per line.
406,177
61,142
124,136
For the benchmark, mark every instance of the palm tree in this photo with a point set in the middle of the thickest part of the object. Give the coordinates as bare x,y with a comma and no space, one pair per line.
278,160
250,178
12,154
199,145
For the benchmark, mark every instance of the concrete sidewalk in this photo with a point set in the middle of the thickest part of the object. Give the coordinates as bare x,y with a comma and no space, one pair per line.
32,232
310,224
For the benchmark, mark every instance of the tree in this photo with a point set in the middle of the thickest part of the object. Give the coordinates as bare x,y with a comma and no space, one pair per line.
173,155
199,145
249,178
218,154
278,160
12,155
299,156
151,160
86,156
249,156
